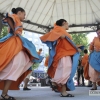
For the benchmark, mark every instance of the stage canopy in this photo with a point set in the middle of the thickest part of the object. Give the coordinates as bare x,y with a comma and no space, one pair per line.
82,15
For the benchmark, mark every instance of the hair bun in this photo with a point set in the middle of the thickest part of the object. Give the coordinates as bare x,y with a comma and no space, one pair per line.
13,10
60,22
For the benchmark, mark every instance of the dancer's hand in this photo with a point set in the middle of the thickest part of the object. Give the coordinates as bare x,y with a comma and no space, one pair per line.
63,36
90,51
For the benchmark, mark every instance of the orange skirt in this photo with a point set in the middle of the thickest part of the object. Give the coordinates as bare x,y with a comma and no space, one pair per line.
14,62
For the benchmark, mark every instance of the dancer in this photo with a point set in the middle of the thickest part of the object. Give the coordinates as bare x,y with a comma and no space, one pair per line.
17,54
94,60
84,58
63,57
84,62
40,51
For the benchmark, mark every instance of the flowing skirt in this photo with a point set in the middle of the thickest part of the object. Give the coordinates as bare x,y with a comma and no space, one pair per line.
63,70
94,66
17,54
16,67
93,74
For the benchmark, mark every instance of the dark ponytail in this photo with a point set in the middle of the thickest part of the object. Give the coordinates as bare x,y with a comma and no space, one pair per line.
16,10
60,22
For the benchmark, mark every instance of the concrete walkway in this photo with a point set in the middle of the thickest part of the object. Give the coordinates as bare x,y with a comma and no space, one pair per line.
45,93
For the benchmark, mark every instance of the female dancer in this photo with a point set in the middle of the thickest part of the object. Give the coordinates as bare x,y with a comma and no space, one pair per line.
63,57
17,54
94,60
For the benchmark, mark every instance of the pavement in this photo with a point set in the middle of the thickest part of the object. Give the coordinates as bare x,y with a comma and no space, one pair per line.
45,93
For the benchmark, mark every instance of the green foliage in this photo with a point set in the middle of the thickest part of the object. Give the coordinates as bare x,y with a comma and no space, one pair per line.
4,32
35,66
80,39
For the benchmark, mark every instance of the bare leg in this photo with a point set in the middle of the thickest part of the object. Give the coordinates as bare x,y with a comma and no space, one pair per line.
26,82
6,88
63,91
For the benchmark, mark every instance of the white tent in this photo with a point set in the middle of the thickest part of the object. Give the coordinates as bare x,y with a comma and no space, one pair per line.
82,15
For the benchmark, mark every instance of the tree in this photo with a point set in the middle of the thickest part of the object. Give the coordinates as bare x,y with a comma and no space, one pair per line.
4,32
80,39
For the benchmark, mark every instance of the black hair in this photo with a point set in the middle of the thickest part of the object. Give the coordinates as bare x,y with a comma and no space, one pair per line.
16,10
60,22
86,51
40,49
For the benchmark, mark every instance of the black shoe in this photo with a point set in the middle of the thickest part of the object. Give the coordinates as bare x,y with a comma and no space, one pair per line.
9,98
26,88
68,95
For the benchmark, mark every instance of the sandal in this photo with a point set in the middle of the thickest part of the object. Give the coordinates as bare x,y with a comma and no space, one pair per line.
9,97
54,87
94,88
68,95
